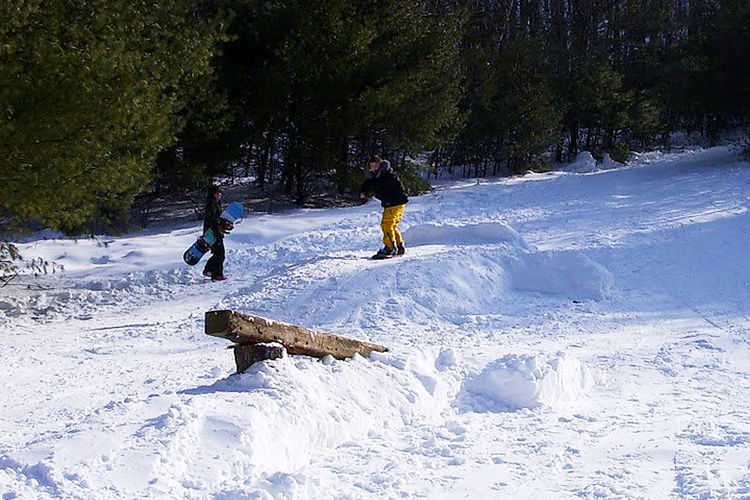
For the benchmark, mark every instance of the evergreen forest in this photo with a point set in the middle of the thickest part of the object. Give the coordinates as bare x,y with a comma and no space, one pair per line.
105,102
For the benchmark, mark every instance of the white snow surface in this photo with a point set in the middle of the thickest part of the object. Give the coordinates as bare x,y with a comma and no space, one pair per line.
531,381
584,163
556,335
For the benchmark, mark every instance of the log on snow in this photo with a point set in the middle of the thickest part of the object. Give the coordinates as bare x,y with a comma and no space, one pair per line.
248,329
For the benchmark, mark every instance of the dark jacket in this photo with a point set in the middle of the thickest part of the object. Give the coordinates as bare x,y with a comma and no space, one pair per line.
211,216
385,185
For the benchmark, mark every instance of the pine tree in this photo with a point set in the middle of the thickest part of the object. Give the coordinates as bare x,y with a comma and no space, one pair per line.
91,92
320,84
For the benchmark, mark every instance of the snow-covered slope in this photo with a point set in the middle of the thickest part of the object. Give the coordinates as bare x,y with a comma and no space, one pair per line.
551,336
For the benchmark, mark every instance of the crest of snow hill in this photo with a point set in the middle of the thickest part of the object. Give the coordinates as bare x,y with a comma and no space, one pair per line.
520,266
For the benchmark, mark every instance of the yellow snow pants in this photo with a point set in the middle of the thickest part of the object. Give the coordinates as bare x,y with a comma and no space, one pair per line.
389,224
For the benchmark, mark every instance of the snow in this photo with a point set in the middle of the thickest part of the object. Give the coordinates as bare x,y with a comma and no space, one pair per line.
526,381
457,233
608,163
584,163
551,336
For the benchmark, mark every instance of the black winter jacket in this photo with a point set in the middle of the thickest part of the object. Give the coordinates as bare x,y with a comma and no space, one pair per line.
211,217
385,186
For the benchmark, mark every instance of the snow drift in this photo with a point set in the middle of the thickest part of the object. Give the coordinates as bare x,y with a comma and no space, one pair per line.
583,164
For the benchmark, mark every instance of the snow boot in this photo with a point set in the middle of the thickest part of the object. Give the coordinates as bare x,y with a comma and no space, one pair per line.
400,250
384,253
207,273
218,277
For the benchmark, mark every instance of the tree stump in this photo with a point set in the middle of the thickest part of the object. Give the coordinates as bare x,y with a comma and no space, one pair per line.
247,354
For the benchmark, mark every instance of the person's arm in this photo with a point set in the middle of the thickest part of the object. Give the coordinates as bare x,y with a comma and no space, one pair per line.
396,191
367,188
208,219
213,212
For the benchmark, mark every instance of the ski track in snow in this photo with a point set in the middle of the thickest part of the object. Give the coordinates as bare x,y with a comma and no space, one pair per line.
552,336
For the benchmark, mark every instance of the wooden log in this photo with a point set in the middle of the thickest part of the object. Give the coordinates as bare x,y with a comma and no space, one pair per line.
248,329
247,354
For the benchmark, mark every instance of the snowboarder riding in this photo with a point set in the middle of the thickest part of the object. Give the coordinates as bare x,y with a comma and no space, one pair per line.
385,185
211,220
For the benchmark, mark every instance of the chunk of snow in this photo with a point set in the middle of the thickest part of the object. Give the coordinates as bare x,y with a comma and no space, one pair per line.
524,381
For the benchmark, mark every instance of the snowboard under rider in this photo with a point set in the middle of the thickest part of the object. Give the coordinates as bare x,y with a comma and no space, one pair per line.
383,183
211,220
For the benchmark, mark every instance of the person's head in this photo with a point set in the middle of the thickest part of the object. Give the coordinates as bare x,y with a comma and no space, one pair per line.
375,162
215,192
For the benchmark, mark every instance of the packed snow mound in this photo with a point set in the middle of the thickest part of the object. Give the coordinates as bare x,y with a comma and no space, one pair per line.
584,163
350,293
568,273
608,163
457,233
525,381
432,282
285,411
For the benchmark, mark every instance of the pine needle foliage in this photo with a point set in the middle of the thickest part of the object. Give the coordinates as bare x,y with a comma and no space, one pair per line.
91,92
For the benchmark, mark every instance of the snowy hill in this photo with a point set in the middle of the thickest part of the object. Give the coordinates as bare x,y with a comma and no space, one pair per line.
574,334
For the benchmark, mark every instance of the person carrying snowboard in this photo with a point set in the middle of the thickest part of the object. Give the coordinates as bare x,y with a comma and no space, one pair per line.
384,184
211,220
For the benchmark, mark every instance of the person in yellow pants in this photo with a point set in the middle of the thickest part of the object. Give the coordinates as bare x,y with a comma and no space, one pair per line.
383,183
389,225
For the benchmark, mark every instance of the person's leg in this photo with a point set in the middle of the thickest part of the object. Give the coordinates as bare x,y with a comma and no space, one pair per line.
215,265
209,270
398,212
388,226
219,255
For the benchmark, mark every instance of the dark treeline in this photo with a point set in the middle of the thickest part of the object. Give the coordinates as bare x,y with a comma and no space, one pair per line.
105,100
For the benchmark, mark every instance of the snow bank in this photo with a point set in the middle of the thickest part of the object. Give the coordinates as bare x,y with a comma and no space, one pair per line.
458,233
584,163
286,411
608,163
568,273
239,436
524,381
